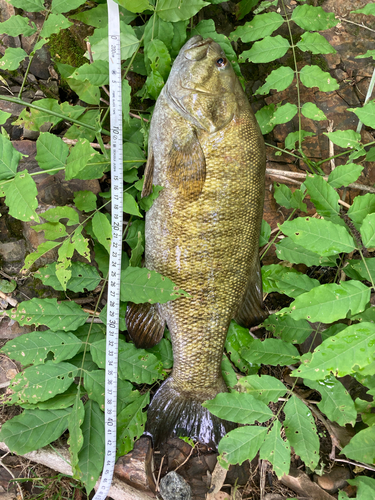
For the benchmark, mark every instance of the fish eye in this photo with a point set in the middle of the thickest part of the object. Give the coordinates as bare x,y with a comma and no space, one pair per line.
221,62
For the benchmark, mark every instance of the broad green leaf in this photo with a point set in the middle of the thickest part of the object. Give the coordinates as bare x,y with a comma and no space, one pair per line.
284,113
288,281
102,230
361,207
94,383
91,456
34,347
238,337
288,329
315,43
4,117
130,206
65,316
266,50
243,7
97,73
276,450
311,110
156,28
242,444
264,117
85,200
163,351
52,230
241,408
313,76
58,213
133,155
136,6
95,167
34,429
369,53
301,431
175,10
368,9
43,249
53,24
361,446
85,90
366,114
147,202
265,233
368,231
82,132
362,269
278,79
58,402
9,158
90,333
288,198
179,37
52,152
227,371
28,5
42,382
344,138
17,25
83,276
61,6
153,86
365,485
260,27
141,285
137,252
12,58
330,302
96,17
130,424
343,175
132,235
129,43
324,197
79,156
158,54
293,137
336,402
7,286
75,440
319,235
126,97
21,197
135,365
264,388
341,354
270,352
312,18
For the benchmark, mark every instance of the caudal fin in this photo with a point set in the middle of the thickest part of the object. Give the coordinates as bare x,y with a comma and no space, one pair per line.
174,414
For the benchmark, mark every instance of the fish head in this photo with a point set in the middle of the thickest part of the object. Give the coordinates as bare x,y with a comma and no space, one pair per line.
202,84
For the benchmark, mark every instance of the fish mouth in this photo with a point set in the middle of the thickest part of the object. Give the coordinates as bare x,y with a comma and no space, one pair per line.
198,48
200,43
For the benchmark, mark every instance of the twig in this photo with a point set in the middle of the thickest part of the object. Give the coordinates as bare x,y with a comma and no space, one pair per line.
95,145
357,464
11,302
367,98
138,117
159,474
331,146
361,25
217,480
91,312
11,473
187,458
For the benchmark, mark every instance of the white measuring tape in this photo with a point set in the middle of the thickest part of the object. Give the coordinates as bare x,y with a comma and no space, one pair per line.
114,273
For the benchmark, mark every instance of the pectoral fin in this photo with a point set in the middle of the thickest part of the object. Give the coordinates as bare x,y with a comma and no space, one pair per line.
252,311
144,324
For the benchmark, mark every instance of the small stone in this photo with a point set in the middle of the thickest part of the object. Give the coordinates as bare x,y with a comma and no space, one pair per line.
300,482
333,480
174,487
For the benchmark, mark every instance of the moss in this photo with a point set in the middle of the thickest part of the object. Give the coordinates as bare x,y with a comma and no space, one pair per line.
65,49
320,61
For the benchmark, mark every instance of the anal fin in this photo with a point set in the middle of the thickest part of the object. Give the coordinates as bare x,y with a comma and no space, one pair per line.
144,324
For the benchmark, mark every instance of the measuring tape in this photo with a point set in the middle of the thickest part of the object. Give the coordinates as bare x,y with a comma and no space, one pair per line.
114,273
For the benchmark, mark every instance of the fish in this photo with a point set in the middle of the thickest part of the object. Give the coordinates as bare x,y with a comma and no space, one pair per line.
206,150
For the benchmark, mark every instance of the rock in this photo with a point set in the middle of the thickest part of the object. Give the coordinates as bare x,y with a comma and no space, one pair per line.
300,482
174,487
333,480
13,256
8,370
10,329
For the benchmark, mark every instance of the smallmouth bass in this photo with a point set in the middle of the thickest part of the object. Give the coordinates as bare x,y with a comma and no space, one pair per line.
202,232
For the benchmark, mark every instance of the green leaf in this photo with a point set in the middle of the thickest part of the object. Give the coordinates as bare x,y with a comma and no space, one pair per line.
135,365
341,354
79,156
137,252
324,197
288,199
136,6
277,278
65,316
365,487
129,43
264,388
293,137
4,117
227,371
21,196
344,138
266,50
58,213
312,18
12,58
179,36
368,9
265,233
7,286
85,200
130,424
52,230
130,205
363,269
175,10
97,72
284,113
43,249
336,402
270,352
278,79
315,43
96,17
61,6
366,113
75,440
34,347
288,329
83,276
276,450
59,402
343,175
52,152
362,206
368,231
42,382
34,429
313,76
361,446
9,158
311,110
94,383
319,235
133,155
147,202
53,24
125,92
28,5
260,27
244,7
264,117
163,351
158,54
91,456
17,25
330,302
156,28
141,285
369,53
301,431
102,230
238,337
242,444
238,407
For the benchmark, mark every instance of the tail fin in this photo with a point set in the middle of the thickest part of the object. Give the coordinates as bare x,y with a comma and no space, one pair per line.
174,414
144,324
